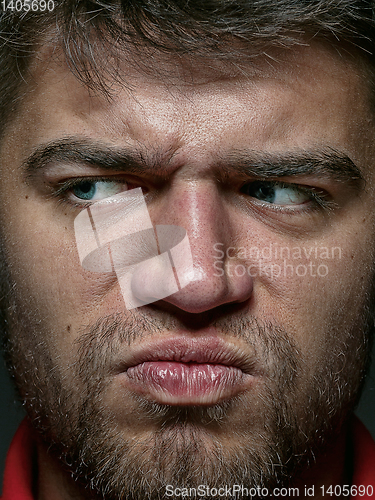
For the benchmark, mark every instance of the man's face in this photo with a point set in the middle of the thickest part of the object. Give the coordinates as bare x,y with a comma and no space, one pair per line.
255,361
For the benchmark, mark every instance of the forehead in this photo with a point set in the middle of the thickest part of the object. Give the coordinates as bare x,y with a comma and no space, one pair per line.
300,98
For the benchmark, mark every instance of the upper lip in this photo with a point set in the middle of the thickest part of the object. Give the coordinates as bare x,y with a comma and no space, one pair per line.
211,350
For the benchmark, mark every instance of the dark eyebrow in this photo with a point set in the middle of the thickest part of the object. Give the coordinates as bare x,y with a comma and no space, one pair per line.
95,153
323,163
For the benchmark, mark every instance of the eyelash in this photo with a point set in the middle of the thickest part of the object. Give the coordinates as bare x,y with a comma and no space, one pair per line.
65,186
319,199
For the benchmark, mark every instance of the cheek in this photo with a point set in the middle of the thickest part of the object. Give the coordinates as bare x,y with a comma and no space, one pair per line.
54,297
316,290
41,250
43,261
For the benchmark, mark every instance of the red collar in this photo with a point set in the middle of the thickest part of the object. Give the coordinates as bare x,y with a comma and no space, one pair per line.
18,475
363,457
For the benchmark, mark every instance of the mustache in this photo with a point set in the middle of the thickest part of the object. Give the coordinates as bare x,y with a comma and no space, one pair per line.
100,342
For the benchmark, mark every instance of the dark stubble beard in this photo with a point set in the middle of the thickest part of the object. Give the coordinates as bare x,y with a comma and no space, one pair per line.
187,449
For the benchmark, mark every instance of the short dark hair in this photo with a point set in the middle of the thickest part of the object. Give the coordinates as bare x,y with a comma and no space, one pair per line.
209,28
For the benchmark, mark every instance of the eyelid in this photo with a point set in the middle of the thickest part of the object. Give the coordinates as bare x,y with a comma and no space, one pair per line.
62,192
319,198
67,184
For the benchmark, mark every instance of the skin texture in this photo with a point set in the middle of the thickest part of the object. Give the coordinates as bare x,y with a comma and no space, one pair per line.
305,336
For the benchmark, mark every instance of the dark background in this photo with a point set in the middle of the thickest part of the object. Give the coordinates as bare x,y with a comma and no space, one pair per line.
11,414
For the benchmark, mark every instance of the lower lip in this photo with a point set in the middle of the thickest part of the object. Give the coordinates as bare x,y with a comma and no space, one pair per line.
174,383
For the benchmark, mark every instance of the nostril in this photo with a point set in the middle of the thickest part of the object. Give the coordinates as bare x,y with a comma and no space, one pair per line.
200,320
208,291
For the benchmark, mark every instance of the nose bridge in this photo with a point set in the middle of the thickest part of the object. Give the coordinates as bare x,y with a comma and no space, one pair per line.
200,209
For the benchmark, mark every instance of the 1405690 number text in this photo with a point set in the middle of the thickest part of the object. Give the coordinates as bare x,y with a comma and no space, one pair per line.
28,5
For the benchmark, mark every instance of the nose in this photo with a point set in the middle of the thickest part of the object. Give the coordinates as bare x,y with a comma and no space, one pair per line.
207,218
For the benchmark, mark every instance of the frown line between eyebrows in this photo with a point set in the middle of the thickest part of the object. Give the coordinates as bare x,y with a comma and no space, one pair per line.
324,163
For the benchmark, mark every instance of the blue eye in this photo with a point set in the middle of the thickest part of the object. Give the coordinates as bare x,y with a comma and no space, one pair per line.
85,190
277,193
93,190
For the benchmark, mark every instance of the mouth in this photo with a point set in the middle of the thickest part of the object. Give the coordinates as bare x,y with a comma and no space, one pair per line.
188,371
